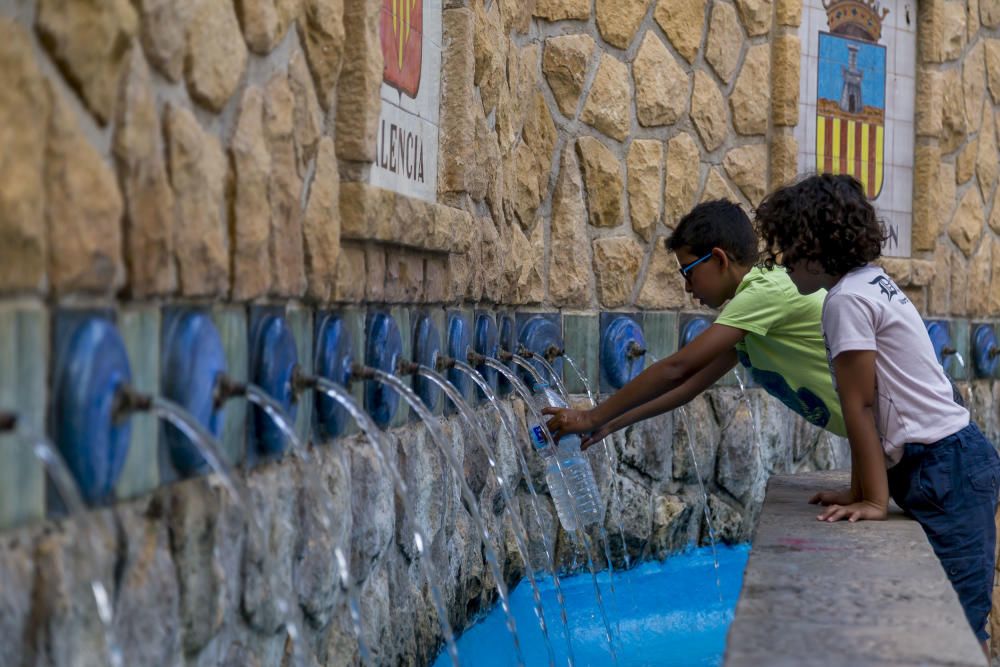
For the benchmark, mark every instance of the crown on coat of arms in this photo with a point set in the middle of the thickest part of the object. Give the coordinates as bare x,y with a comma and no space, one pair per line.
855,18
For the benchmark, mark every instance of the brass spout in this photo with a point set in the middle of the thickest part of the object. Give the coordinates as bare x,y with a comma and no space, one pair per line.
8,421
525,352
946,351
359,372
405,367
634,351
475,359
994,352
126,401
504,355
301,381
443,363
226,388
552,353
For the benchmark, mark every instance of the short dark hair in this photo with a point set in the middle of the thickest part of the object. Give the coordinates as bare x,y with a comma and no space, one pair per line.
826,219
716,224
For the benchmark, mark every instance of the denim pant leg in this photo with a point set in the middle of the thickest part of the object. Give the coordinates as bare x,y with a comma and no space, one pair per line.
950,487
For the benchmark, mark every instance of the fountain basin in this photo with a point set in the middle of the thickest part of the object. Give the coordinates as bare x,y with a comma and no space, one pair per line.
664,613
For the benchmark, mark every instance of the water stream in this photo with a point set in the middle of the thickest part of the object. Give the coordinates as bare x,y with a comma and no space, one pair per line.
208,448
616,499
381,449
520,534
682,411
472,506
536,415
69,492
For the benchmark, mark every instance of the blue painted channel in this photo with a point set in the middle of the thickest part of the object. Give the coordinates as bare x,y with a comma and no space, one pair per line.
669,614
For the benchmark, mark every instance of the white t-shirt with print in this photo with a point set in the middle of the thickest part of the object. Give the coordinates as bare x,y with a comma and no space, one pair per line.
865,310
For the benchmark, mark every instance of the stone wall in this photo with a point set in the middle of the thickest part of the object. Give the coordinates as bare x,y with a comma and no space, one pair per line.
216,153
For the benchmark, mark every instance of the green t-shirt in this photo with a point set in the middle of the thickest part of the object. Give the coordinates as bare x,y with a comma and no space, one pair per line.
784,347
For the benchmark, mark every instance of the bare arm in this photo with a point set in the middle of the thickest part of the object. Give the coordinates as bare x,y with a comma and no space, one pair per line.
673,399
660,378
855,371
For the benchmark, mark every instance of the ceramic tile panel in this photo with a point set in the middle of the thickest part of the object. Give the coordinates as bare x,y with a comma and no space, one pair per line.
231,321
884,80
24,358
140,329
407,135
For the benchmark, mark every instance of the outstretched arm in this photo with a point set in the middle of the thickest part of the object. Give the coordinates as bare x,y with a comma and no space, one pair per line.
660,378
855,372
696,384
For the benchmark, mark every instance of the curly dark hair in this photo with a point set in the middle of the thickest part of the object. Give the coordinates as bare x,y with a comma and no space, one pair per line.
826,219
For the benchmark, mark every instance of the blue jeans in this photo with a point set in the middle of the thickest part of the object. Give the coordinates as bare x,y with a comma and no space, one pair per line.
950,487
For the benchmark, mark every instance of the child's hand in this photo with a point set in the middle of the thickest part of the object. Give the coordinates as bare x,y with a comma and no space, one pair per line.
595,437
828,497
860,511
566,421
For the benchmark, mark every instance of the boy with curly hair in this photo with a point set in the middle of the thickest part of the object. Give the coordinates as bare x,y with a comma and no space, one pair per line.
909,438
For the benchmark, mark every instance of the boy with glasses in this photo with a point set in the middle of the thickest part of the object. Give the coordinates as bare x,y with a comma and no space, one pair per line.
765,324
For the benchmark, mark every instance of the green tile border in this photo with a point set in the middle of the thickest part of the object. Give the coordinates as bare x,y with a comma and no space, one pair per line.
24,360
140,329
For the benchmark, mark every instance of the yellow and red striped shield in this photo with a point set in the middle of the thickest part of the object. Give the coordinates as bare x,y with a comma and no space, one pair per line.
402,44
851,146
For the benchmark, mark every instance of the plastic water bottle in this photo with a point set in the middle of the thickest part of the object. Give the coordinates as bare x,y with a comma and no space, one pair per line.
576,484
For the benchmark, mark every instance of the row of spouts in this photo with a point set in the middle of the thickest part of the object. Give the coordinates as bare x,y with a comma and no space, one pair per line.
128,401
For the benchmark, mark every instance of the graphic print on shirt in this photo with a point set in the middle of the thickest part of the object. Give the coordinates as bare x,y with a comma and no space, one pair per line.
803,402
887,287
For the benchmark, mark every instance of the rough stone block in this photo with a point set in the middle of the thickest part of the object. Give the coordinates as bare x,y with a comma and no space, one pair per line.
25,107
662,87
83,210
149,201
198,174
617,261
321,32
358,101
786,54
458,125
216,56
89,41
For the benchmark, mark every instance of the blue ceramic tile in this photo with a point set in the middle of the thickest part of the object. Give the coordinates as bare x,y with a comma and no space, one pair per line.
606,320
140,329
24,343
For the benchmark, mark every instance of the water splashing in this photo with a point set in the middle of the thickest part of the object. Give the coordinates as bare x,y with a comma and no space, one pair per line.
520,534
537,416
682,411
472,506
354,603
547,545
381,449
69,493
616,499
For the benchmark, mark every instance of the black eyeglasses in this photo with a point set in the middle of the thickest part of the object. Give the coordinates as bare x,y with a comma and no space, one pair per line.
686,269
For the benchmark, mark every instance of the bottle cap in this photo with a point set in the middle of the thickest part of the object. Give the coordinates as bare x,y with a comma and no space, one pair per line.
539,386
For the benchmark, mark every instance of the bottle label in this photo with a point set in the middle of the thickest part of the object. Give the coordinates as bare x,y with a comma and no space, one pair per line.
538,436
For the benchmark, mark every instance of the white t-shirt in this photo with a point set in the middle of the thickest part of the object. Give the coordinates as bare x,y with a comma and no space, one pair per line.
867,311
